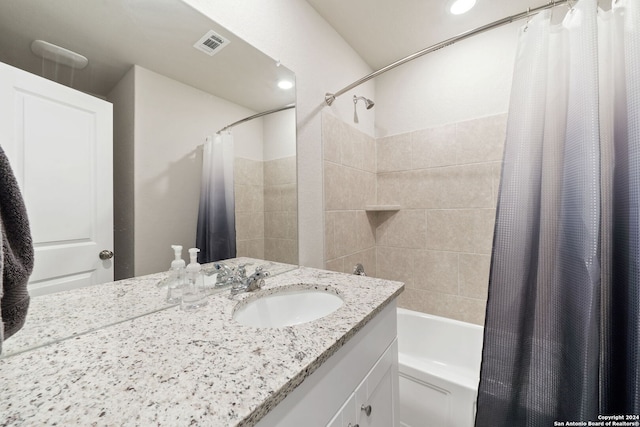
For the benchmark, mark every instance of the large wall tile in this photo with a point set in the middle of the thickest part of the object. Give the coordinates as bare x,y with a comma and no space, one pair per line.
467,186
280,171
330,248
336,192
281,250
444,305
250,248
361,188
275,225
497,172
346,145
433,147
403,229
395,264
402,188
474,275
249,225
346,233
272,199
463,230
369,155
292,226
436,271
248,172
481,140
393,153
333,134
366,224
352,150
335,265
289,195
249,198
347,188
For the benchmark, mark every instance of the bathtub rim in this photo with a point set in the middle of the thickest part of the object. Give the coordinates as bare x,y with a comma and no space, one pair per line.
438,318
411,366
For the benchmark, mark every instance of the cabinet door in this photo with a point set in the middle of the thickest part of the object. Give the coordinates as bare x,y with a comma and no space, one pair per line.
336,421
347,415
376,397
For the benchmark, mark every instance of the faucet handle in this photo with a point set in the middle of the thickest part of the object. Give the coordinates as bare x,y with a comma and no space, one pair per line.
260,272
256,280
241,271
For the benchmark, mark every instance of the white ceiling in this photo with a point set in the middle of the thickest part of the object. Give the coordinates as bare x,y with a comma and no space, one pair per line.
157,35
383,31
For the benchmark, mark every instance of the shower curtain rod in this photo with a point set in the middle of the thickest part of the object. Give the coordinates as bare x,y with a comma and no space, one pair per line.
330,97
255,116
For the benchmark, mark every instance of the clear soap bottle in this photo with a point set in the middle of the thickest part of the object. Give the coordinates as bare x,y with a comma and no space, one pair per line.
176,276
193,293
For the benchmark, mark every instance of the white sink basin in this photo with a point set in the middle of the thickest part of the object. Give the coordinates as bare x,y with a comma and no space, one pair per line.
288,307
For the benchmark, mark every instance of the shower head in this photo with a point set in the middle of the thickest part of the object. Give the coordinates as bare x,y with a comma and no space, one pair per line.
367,102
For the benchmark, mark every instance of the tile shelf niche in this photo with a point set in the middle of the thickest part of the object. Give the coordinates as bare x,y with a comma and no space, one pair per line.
382,208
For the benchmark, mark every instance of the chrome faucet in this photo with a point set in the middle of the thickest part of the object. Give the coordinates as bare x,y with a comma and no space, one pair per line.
358,270
248,284
225,273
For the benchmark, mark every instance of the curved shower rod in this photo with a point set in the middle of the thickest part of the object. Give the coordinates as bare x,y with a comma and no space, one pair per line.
255,116
330,97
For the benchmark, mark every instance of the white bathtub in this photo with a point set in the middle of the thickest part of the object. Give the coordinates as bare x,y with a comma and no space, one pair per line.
439,368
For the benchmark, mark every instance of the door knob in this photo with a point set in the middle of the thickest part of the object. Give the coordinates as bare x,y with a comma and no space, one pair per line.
105,255
366,409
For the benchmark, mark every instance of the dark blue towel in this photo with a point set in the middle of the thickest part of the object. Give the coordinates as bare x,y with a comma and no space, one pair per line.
16,254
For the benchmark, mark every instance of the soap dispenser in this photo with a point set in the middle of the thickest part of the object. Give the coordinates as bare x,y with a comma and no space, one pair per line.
176,276
193,293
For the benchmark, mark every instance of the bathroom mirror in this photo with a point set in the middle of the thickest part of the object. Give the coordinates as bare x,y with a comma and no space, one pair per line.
145,50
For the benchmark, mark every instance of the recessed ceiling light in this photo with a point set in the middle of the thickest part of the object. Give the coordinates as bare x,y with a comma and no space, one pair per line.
285,84
461,6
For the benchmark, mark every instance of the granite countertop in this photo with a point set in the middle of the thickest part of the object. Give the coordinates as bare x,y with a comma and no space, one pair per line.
171,367
66,314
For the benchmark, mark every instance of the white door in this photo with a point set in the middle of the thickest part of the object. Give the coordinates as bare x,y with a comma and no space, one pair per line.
59,143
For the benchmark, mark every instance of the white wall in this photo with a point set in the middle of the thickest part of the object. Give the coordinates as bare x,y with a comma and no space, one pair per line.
279,135
292,31
172,121
467,80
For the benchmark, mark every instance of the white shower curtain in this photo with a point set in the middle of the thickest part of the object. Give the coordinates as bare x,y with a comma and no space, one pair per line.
216,229
562,332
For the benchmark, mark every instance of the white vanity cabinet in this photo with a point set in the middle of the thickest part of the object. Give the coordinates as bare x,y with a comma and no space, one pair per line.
362,373
377,396
375,402
347,416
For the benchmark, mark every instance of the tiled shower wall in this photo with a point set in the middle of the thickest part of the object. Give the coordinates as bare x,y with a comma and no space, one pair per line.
349,186
266,209
280,211
445,180
248,178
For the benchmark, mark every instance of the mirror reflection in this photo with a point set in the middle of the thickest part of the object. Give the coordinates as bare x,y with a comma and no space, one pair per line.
169,79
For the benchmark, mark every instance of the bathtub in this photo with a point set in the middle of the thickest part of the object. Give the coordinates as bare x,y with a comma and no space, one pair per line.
439,368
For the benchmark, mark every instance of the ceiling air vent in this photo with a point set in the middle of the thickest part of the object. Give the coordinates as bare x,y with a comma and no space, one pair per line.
211,43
